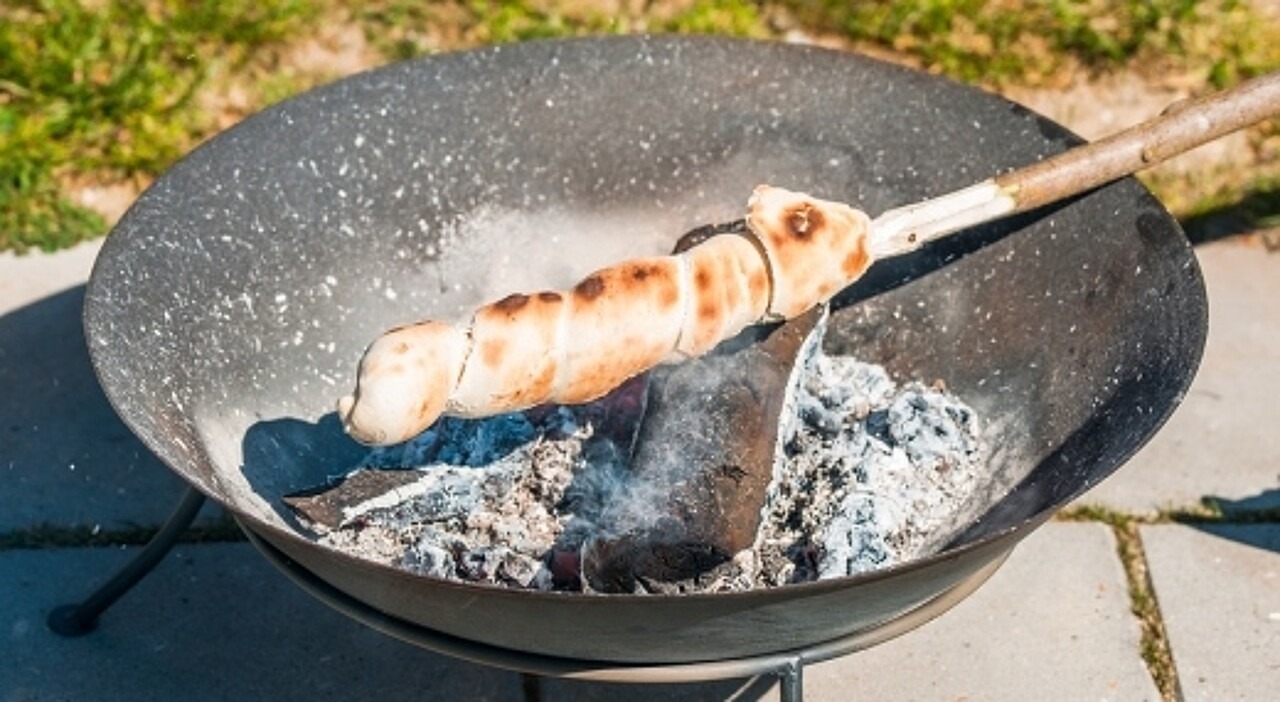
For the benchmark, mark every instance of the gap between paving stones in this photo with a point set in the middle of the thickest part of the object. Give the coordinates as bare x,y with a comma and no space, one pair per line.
48,536
1156,651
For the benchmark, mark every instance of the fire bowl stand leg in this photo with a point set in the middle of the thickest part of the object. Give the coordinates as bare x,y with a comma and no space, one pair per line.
790,677
81,618
791,681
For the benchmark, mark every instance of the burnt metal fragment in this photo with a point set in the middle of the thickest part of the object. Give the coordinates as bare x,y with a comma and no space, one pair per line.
326,506
705,452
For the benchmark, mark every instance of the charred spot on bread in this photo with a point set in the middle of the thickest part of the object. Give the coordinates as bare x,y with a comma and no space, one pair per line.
511,303
549,296
426,410
590,287
535,392
708,310
803,220
669,296
641,272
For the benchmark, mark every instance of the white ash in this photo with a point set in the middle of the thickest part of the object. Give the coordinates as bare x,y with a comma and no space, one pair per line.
485,508
870,474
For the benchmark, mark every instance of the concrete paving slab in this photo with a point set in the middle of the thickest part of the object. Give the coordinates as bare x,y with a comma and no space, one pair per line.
1218,443
1052,624
1218,587
213,622
216,622
65,457
27,278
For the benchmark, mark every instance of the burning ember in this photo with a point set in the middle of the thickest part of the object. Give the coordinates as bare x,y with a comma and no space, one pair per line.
867,474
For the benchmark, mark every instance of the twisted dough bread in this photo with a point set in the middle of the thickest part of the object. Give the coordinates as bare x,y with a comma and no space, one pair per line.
575,346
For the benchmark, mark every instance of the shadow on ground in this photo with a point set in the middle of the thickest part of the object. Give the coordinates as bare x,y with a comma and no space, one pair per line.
1256,209
1241,519
68,459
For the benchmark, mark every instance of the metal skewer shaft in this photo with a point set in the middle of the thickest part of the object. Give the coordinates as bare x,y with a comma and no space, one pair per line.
1180,128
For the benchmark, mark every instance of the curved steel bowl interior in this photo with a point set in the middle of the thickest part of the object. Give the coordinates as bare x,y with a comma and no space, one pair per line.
228,308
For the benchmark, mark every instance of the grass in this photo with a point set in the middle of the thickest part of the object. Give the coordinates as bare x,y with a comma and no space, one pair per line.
1040,42
402,29
113,92
1226,211
108,90
1154,641
1154,647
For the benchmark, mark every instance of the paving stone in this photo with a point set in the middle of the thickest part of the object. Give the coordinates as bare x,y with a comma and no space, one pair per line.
217,622
65,456
27,278
1218,587
1052,624
214,622
1219,444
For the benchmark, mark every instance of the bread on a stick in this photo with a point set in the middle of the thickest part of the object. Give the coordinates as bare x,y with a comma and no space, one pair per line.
575,346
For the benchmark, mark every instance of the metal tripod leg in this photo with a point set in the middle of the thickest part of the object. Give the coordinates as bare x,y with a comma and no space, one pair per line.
531,686
791,682
81,618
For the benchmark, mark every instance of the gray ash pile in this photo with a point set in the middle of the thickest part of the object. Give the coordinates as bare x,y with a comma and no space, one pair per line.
869,473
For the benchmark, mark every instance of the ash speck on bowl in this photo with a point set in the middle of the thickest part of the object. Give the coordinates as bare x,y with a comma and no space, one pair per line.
869,474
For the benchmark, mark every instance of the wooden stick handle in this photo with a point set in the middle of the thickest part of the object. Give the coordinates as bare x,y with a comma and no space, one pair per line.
1180,128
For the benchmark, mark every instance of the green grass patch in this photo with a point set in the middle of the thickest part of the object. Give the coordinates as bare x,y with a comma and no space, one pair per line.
108,89
1011,41
1155,649
1209,511
1255,205
403,29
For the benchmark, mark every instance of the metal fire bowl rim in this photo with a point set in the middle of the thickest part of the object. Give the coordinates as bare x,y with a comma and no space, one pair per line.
1024,526
138,254
619,672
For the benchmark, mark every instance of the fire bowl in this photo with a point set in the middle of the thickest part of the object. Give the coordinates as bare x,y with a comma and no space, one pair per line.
228,308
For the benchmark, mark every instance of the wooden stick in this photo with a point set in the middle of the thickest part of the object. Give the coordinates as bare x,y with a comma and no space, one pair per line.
1180,128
